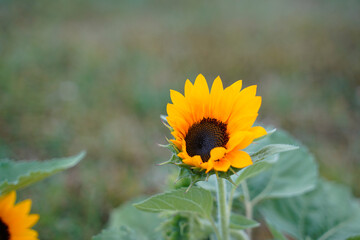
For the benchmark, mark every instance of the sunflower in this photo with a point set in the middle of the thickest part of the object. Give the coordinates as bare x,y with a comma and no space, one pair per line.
211,129
15,220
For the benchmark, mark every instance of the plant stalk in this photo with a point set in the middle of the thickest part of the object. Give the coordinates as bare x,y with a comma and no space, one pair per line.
248,205
223,214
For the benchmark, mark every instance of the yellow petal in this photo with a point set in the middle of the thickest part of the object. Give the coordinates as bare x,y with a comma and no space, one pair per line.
216,88
236,86
217,153
32,219
181,105
188,88
200,98
258,131
222,165
242,99
193,161
175,112
239,159
227,101
179,124
7,201
240,140
24,206
209,165
235,139
248,92
241,123
251,107
177,143
183,155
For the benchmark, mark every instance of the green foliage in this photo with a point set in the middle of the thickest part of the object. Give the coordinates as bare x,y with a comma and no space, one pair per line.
270,150
120,233
287,194
327,213
196,200
127,222
277,234
254,169
295,172
240,222
18,174
185,226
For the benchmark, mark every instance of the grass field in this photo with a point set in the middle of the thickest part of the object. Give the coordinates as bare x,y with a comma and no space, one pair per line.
96,75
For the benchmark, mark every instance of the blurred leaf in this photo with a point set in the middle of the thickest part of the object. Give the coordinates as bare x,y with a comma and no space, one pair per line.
294,173
241,222
196,200
121,233
209,184
143,223
276,234
18,174
327,213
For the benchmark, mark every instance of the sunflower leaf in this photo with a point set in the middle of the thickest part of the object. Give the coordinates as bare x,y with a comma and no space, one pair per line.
254,169
128,223
294,173
195,200
270,150
18,174
241,222
327,213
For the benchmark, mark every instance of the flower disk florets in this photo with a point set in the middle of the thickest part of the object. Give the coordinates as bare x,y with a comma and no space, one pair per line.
204,136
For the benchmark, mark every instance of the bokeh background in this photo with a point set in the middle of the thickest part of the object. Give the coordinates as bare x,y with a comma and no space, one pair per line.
96,75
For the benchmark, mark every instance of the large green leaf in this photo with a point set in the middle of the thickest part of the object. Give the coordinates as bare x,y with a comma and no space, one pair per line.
143,223
18,174
294,173
327,213
196,200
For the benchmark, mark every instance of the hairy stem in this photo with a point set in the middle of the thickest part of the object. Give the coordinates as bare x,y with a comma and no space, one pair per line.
223,214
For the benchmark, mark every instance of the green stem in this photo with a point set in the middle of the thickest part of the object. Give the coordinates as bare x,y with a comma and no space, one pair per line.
231,199
223,214
248,205
216,231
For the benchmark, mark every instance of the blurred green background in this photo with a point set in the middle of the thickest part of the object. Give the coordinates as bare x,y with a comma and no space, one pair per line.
96,75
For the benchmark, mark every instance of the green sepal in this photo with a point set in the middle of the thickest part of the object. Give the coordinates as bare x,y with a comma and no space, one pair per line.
170,146
173,160
165,122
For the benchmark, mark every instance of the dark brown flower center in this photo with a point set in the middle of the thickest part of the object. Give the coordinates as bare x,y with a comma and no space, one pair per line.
4,231
205,135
